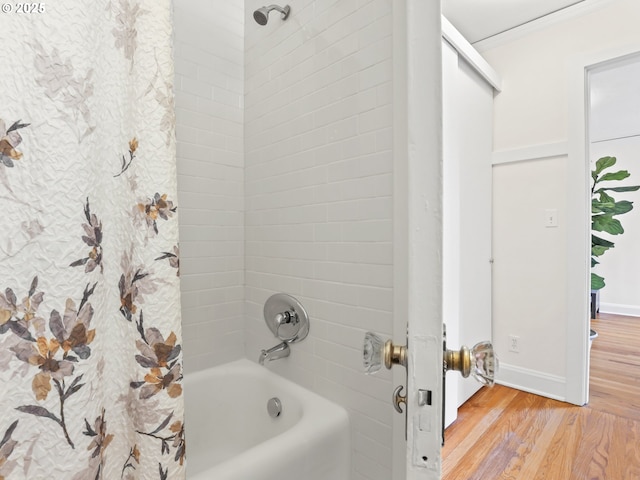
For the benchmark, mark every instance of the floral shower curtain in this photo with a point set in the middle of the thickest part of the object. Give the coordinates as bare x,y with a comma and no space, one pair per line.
90,340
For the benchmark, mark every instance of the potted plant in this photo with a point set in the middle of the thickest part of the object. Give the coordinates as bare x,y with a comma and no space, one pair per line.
604,210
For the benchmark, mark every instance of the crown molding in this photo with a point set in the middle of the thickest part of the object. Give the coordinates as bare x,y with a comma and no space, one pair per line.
573,11
469,53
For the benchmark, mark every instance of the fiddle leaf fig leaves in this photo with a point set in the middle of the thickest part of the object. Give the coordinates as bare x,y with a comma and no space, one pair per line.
602,164
595,240
606,223
619,175
597,282
618,189
597,250
623,206
603,210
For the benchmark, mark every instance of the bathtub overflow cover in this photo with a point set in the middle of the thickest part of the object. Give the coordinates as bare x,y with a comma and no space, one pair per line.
274,407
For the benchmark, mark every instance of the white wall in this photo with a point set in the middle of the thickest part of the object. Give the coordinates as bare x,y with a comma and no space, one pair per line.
530,270
533,108
318,151
209,86
528,275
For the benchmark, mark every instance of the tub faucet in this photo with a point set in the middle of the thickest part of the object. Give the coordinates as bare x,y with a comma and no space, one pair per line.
279,351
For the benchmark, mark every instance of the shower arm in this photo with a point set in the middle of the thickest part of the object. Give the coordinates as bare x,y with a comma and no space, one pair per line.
283,10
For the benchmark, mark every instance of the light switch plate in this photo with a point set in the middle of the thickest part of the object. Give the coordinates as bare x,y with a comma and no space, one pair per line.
551,217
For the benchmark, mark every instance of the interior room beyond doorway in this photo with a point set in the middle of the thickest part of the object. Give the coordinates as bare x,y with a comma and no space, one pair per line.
507,433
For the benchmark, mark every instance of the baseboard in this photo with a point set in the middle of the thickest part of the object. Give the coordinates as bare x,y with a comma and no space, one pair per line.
618,309
538,383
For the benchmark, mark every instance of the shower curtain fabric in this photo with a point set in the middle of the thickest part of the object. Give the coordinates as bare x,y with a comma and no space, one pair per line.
90,338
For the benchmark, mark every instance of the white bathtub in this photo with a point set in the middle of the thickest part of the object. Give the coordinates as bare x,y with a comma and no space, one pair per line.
230,435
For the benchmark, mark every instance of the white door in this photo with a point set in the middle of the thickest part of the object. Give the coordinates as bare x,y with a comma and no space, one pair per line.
467,147
419,243
418,214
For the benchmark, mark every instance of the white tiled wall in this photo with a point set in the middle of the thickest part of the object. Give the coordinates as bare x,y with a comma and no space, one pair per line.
318,185
290,193
209,89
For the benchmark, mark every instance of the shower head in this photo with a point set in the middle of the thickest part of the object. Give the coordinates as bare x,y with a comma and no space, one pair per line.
261,15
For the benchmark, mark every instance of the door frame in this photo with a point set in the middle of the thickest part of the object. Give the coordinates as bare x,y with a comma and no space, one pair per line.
579,219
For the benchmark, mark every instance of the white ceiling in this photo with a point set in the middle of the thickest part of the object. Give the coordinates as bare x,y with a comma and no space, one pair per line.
481,19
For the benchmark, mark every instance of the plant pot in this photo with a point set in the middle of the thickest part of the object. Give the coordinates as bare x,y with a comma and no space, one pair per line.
592,336
595,304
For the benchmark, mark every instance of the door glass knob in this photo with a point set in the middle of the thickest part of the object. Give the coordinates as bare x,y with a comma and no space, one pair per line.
485,363
372,353
481,362
376,352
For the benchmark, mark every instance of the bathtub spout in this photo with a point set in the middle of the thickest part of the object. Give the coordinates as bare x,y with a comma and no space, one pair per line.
279,351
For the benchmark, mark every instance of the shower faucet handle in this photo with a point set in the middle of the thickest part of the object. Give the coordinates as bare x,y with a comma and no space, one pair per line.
286,318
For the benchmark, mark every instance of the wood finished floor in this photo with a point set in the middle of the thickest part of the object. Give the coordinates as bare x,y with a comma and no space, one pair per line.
503,433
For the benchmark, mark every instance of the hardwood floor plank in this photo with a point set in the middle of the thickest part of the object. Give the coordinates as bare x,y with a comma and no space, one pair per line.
518,439
561,449
590,458
484,410
615,366
535,461
629,432
488,458
507,434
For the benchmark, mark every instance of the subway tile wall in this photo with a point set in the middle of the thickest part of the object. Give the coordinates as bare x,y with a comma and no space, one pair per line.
209,86
318,193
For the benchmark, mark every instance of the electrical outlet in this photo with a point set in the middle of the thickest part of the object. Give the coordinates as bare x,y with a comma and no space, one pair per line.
514,343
